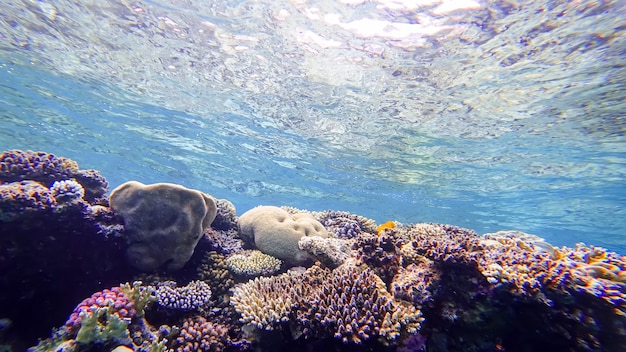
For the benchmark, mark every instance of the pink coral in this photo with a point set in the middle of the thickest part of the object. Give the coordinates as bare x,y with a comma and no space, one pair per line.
115,299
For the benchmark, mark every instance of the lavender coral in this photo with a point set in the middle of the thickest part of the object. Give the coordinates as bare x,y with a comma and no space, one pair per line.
67,191
196,295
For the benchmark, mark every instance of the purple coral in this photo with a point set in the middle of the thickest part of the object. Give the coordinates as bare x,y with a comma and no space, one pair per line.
199,334
67,191
17,198
223,241
114,299
347,303
18,165
194,296
381,253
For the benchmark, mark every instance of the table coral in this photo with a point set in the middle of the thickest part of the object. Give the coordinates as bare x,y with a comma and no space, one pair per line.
266,301
353,306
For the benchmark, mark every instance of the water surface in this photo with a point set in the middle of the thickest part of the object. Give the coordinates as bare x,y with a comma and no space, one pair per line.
484,114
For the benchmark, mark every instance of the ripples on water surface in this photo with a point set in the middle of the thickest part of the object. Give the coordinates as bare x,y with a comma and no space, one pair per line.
484,114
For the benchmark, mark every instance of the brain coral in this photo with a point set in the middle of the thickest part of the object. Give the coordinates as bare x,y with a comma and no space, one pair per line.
276,232
163,221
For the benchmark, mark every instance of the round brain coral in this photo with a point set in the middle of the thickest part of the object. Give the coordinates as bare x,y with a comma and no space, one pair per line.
276,232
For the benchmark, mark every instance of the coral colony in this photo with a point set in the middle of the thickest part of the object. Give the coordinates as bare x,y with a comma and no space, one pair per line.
165,268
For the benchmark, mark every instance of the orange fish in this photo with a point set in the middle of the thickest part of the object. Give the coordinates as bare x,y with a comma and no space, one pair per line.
387,225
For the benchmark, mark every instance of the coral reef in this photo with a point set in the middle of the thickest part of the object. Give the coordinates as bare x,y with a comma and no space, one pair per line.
163,222
224,241
107,318
330,252
393,287
20,198
381,253
67,191
54,234
214,271
113,300
345,225
416,282
252,263
198,334
276,232
196,295
347,304
45,168
226,217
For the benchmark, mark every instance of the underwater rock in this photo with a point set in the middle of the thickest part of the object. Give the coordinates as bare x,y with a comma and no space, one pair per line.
53,236
163,222
276,232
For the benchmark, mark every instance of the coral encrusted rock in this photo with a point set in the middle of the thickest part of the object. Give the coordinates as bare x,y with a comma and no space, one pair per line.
163,221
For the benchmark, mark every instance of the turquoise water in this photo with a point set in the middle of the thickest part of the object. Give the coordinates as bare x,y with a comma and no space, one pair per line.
493,116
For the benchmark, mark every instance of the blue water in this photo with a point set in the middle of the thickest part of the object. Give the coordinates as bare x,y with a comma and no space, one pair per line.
553,166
